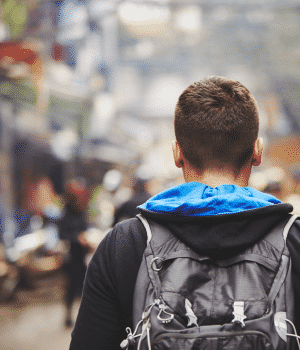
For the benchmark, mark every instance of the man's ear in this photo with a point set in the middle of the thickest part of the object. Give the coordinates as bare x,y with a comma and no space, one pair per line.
177,154
257,152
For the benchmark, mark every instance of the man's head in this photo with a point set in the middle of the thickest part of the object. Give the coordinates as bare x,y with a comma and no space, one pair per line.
216,124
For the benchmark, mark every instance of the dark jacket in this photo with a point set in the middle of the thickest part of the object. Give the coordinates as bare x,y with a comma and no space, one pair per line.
219,222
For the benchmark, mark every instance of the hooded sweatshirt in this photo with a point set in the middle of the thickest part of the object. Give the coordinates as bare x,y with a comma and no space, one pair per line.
219,222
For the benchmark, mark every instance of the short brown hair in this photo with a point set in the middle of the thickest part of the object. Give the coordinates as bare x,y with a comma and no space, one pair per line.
216,123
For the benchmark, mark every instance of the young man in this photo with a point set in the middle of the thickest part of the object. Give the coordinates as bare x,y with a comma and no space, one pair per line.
213,212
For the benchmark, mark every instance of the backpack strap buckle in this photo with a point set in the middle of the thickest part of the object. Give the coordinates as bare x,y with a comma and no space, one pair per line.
168,317
238,313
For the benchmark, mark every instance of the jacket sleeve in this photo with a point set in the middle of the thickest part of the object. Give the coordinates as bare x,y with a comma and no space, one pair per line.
293,244
106,305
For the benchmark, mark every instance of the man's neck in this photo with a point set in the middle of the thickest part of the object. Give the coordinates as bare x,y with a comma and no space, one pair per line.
216,177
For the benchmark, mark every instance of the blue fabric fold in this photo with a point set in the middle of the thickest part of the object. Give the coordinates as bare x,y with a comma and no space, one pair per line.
194,199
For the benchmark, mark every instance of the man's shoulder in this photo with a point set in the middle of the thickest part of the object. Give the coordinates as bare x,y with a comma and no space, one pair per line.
120,250
126,236
130,226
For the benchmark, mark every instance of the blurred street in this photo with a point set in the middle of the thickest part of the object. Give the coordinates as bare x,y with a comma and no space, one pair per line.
34,320
88,90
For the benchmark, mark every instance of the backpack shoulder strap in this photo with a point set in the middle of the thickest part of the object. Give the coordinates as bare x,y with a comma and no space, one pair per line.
157,235
287,227
147,227
284,264
151,261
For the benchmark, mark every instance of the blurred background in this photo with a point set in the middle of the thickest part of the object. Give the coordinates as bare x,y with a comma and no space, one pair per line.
87,96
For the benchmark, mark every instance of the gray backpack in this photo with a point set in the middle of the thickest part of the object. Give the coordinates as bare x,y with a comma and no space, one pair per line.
185,301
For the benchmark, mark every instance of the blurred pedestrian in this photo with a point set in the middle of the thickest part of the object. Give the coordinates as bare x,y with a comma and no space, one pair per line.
129,209
72,227
103,201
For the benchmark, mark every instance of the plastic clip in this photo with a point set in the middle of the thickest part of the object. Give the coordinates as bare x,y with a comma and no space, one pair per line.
238,313
162,311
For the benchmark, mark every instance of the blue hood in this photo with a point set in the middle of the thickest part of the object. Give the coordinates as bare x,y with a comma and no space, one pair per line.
194,199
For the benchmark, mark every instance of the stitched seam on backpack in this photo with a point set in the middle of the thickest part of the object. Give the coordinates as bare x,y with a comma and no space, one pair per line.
270,244
212,309
161,246
266,257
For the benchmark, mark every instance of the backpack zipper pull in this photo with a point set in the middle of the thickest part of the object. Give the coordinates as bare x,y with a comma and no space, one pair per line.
128,341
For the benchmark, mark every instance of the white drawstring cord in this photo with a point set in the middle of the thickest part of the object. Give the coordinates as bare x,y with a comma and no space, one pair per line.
130,340
145,328
148,337
293,335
